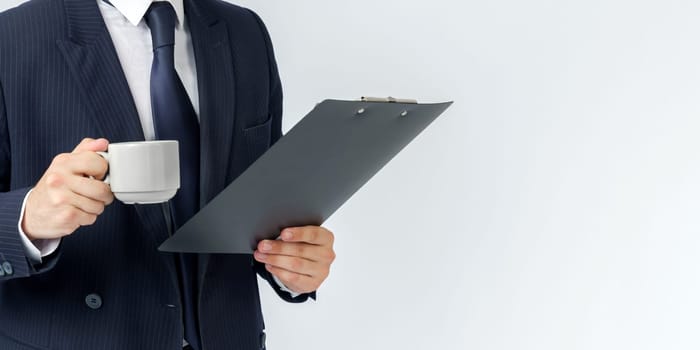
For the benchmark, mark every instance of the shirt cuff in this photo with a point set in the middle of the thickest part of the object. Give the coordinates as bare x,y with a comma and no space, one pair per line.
39,248
284,288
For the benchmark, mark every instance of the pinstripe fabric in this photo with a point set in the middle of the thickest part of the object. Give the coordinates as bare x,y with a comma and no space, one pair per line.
9,210
61,81
12,251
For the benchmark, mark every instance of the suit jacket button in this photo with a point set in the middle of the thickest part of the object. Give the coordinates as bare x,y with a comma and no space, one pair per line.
7,268
93,301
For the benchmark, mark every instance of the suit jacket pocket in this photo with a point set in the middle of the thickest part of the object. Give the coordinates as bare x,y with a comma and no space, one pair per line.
257,138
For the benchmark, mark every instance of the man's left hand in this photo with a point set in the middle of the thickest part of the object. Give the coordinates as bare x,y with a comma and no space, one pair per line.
301,258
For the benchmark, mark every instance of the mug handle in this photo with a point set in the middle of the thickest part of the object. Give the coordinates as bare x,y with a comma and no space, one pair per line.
104,155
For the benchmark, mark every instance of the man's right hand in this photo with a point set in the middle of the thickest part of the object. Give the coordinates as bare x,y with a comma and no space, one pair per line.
65,197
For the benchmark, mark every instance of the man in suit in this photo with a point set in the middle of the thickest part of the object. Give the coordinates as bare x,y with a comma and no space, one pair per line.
79,270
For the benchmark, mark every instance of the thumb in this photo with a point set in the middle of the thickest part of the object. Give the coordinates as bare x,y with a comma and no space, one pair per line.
91,145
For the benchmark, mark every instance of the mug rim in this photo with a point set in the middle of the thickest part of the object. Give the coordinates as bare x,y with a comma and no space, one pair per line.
133,143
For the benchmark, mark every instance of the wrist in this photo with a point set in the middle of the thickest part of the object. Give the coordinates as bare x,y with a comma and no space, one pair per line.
27,232
24,225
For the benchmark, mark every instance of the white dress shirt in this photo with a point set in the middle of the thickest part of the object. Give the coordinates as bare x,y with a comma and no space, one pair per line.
132,40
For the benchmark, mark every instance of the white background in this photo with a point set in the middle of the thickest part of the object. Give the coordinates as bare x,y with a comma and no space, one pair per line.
555,206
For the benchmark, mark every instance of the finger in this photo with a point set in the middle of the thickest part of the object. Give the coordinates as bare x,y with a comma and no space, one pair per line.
93,189
87,163
303,250
88,205
73,218
309,234
290,263
83,145
91,145
86,219
68,198
296,282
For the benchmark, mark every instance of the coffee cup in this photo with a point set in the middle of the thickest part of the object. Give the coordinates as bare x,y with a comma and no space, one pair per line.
143,172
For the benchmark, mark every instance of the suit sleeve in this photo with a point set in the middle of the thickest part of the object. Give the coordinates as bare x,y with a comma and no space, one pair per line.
275,110
13,259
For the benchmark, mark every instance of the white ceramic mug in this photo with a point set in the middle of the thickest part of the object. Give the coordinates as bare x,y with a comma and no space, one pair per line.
144,172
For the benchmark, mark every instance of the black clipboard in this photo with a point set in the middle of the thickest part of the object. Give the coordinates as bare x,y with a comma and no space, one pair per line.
307,175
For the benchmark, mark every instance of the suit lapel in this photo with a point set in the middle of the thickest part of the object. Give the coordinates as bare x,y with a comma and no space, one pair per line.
94,64
215,78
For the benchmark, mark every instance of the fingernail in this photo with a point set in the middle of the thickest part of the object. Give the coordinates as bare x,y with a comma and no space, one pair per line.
287,235
266,247
260,256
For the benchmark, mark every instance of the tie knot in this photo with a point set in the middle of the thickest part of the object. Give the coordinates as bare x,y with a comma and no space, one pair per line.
161,18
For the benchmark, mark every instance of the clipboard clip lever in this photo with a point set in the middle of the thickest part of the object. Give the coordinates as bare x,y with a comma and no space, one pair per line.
388,100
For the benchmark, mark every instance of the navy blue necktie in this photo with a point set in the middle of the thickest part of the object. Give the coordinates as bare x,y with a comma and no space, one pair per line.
174,118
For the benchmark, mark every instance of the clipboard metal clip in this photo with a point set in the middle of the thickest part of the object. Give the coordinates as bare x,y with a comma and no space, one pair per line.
388,100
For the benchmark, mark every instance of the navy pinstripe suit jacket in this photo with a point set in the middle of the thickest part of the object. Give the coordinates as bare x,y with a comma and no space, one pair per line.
61,81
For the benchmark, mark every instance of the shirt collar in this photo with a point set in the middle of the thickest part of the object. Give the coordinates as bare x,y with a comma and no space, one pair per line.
134,10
